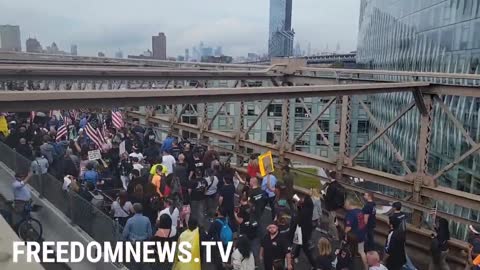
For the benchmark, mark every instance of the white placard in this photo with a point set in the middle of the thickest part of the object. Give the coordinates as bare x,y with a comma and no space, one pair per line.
94,155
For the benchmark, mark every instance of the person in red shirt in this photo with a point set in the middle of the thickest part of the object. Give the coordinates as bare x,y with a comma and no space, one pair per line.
253,168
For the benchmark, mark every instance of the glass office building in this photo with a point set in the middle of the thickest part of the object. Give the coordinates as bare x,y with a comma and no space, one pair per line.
428,36
280,40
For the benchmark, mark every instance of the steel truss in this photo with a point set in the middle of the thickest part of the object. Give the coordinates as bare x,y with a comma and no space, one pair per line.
287,82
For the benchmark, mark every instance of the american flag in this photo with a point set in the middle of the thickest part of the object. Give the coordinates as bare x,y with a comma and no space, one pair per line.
94,135
117,119
74,114
62,132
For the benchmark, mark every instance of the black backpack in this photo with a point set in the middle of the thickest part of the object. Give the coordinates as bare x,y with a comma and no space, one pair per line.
335,197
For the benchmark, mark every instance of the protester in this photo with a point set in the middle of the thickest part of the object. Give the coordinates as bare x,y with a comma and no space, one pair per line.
211,192
325,258
355,229
21,194
242,256
369,214
395,257
268,186
196,191
257,198
274,250
317,207
226,197
439,246
373,260
334,195
39,165
138,227
122,208
168,161
192,236
304,220
220,231
24,149
174,215
253,168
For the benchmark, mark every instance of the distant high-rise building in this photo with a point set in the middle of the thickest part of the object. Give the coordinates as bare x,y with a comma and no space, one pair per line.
33,46
159,46
187,55
10,38
298,50
309,49
280,41
52,49
119,54
74,50
101,54
219,51
206,51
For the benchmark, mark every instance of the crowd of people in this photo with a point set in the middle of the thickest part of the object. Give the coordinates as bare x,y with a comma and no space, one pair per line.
179,191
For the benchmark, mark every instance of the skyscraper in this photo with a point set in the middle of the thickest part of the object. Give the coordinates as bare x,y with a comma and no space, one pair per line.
33,46
74,49
10,38
187,55
280,41
428,36
159,46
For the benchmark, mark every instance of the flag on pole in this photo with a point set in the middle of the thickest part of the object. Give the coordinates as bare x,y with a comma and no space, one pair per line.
61,132
117,119
94,135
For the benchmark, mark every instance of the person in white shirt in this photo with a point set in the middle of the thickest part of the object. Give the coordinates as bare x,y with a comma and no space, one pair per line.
242,256
136,153
211,192
373,260
122,209
168,161
174,214
136,164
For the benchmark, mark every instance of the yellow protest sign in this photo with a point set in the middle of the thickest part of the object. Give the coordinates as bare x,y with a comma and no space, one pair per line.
265,162
4,126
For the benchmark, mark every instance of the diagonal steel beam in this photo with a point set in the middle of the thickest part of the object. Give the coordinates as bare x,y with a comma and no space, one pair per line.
383,131
455,121
313,121
258,117
216,114
418,97
457,161
377,125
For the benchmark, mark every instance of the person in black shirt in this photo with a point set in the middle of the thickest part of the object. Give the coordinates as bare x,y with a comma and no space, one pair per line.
180,171
369,214
196,191
304,220
398,216
395,256
226,197
246,226
274,250
256,198
214,235
439,246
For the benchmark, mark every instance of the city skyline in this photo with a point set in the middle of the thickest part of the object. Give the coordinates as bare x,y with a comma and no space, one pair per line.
238,27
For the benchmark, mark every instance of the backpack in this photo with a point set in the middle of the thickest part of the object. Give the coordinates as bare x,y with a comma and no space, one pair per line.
201,187
337,198
226,234
156,203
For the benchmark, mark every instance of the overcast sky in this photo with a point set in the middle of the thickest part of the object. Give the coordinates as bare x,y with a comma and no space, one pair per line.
240,26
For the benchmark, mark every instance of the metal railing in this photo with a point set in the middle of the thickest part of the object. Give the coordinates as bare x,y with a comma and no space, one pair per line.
101,227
